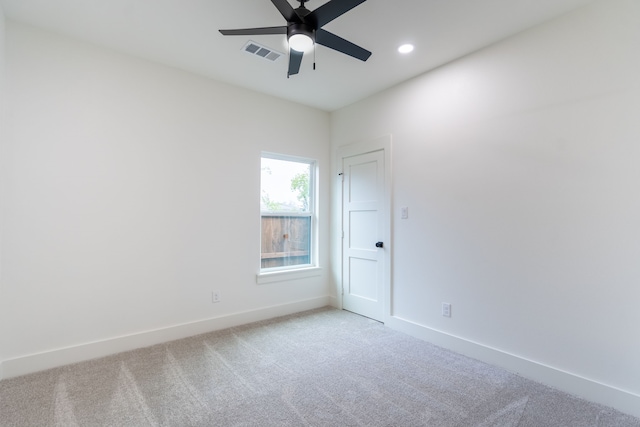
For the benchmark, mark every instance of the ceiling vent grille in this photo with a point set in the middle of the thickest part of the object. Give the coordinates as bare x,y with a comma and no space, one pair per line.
256,49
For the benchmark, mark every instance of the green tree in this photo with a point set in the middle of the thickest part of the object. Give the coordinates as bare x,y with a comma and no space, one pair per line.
269,204
300,184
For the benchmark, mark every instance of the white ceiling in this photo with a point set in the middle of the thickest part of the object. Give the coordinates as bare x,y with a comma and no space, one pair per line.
184,34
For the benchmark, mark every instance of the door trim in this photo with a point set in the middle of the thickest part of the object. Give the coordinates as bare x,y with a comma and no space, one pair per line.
384,144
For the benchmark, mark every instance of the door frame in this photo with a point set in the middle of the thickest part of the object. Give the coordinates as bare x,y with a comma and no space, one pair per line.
384,144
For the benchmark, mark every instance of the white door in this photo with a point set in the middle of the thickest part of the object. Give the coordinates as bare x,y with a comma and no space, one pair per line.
364,226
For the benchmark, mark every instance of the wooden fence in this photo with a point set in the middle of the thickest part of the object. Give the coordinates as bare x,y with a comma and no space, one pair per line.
285,240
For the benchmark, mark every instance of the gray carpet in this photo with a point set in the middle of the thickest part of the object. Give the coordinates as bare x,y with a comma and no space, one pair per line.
320,368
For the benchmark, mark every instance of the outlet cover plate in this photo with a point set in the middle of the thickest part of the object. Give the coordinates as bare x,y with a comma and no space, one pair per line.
446,309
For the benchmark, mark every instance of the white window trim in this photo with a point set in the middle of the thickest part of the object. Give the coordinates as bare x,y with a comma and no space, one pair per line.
302,271
289,274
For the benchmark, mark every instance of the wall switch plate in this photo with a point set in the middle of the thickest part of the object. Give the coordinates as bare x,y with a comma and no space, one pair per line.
404,212
215,297
446,309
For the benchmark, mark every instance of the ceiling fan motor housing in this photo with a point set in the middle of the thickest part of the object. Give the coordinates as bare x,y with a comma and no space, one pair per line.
300,28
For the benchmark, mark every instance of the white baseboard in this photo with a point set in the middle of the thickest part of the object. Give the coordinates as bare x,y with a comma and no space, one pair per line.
622,400
64,356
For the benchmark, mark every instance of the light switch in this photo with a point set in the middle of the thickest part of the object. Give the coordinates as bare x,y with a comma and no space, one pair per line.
404,212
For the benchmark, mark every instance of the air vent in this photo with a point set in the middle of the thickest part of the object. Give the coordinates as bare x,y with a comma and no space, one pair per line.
261,51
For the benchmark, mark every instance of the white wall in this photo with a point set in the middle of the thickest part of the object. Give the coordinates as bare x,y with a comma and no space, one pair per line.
520,168
2,139
132,193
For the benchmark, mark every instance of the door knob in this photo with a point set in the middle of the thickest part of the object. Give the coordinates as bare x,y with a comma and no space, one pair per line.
379,245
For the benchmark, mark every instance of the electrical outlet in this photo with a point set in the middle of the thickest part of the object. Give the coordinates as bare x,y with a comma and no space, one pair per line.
215,297
446,309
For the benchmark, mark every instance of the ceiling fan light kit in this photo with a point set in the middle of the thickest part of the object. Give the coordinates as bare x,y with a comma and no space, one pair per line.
304,30
300,42
300,36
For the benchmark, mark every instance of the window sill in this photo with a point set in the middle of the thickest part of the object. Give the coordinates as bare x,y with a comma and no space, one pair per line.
281,276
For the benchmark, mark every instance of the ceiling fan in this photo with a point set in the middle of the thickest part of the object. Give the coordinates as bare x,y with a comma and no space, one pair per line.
304,29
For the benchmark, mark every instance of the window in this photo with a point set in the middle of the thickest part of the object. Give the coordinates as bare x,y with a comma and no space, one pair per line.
287,204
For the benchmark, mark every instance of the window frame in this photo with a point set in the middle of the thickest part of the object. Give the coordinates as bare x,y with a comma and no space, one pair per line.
290,272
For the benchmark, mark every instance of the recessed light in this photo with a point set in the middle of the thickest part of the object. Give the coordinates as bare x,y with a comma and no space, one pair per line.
405,48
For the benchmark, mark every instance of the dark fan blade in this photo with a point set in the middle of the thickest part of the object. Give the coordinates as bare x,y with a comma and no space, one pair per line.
255,31
295,59
331,10
286,10
332,41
